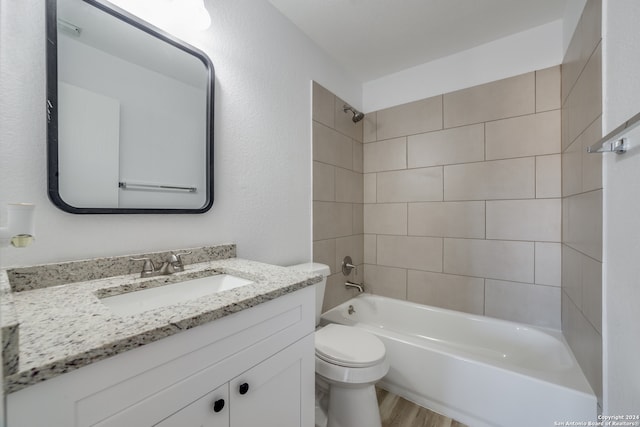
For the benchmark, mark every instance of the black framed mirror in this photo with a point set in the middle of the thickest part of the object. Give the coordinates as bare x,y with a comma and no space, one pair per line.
129,114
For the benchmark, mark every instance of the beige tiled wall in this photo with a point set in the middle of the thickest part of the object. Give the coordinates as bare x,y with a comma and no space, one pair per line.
582,195
462,203
482,200
338,192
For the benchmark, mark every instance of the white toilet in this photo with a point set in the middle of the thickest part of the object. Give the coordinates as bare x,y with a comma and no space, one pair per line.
349,361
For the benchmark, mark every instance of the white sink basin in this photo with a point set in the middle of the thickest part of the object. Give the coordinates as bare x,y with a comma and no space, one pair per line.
161,296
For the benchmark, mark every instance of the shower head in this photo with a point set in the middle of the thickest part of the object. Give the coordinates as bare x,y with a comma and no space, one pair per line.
357,115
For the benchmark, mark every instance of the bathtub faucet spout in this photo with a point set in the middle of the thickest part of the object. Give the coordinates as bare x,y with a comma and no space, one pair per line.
360,288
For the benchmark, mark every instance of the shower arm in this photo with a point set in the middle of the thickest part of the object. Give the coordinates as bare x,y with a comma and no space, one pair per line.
357,115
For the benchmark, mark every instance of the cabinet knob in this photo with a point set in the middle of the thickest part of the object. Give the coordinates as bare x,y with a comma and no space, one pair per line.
218,405
244,388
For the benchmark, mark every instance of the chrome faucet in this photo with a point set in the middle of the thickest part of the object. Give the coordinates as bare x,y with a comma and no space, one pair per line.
173,264
360,288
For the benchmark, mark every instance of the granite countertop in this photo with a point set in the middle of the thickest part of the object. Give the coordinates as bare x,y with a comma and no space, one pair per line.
64,327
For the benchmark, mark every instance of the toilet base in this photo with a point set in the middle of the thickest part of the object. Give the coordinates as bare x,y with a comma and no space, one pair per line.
322,402
353,407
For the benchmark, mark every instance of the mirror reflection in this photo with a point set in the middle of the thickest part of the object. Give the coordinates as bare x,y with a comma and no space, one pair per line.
133,109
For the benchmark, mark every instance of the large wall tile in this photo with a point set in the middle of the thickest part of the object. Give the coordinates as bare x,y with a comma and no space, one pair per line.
564,128
370,188
531,135
419,253
358,218
522,302
332,147
324,252
323,105
590,28
549,176
370,125
510,97
447,219
409,119
572,65
572,169
591,162
324,182
349,186
447,291
387,218
536,220
572,275
493,259
548,89
358,157
585,39
585,342
332,220
584,227
584,103
565,219
548,263
413,185
450,146
499,179
370,249
385,155
592,291
386,281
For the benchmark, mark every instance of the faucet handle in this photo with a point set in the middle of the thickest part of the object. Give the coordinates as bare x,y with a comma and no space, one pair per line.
148,269
176,260
347,266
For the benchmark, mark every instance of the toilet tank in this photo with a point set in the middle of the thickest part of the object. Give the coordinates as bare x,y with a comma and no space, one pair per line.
315,269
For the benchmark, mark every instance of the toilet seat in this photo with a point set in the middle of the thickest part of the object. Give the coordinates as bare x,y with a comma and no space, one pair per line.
348,346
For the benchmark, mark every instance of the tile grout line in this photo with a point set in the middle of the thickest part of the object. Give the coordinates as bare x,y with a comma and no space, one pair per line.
535,91
442,104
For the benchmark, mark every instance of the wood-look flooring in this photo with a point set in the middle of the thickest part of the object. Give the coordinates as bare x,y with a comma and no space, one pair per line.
398,412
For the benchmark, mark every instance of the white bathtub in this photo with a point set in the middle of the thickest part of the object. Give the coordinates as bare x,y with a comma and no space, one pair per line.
477,370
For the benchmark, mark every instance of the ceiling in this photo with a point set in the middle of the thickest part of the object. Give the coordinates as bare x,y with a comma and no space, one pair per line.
374,38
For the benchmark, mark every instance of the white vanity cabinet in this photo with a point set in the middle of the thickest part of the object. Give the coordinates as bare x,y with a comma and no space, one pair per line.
266,395
211,410
259,362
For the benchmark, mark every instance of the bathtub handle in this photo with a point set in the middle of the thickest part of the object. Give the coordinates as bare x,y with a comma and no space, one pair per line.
347,266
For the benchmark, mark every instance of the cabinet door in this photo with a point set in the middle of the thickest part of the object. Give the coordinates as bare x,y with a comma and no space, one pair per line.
278,392
211,410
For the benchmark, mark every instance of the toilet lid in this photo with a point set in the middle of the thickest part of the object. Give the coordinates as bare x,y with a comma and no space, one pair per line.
348,346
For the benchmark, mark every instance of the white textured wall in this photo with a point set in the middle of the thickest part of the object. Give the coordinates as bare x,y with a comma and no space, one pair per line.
264,67
534,49
621,270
